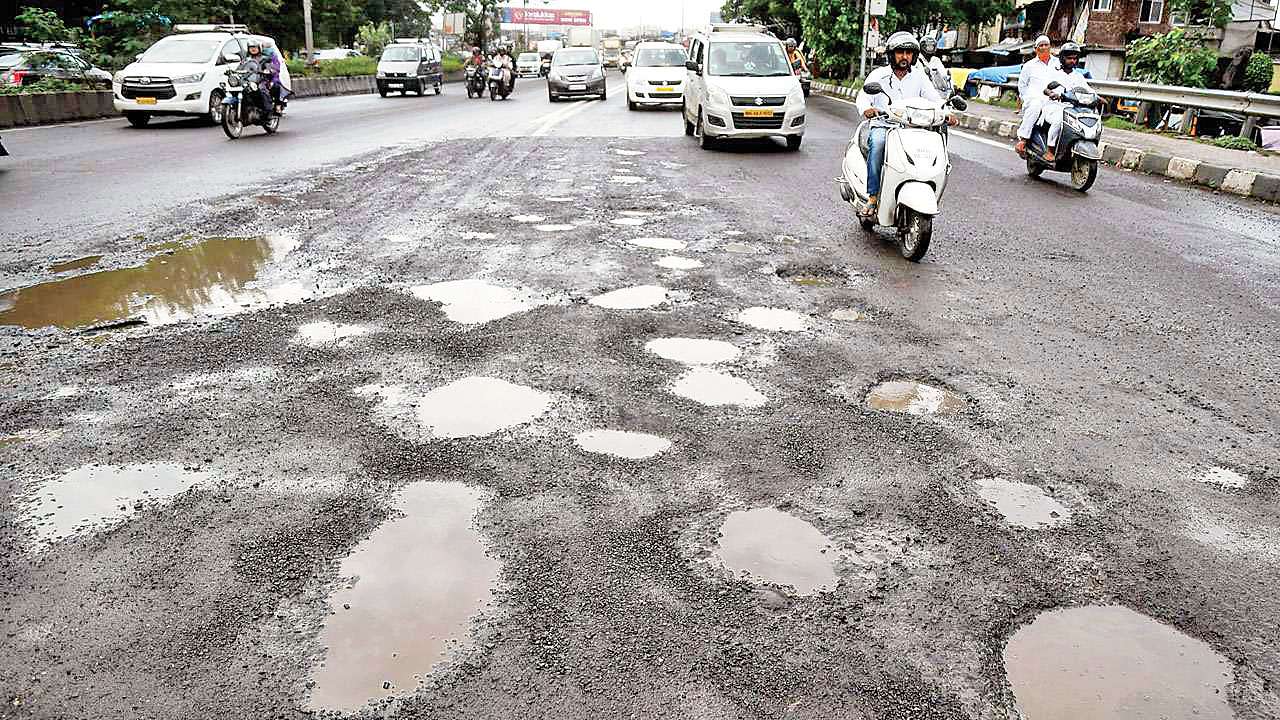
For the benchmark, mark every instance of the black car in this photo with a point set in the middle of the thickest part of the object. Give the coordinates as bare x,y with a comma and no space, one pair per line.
576,72
32,66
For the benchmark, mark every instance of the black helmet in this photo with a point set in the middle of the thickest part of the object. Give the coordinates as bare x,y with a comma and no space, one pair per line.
1070,48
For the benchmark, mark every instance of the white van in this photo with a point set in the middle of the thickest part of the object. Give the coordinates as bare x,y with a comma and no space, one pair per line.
181,74
409,64
739,84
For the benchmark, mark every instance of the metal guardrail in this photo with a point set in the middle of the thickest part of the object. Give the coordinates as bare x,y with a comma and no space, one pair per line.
1244,103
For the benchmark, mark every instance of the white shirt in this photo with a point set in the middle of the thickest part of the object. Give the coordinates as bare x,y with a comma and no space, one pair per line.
915,83
1035,76
939,75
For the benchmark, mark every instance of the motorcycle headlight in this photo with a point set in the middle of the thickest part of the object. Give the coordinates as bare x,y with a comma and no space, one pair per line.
1085,98
718,96
188,79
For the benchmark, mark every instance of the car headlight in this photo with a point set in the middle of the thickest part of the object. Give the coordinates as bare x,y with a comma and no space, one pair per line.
118,78
188,79
796,97
718,96
596,73
382,74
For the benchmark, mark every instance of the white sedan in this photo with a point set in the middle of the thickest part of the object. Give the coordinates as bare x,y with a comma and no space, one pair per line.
656,75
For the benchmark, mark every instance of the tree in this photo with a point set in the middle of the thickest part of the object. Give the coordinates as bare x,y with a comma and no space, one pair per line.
779,15
1258,73
1203,12
1174,58
374,38
833,28
44,26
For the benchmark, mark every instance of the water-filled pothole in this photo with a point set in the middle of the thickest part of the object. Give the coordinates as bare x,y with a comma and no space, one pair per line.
419,580
470,407
714,388
1023,504
321,333
693,351
1224,476
675,262
1111,663
658,243
913,398
96,495
212,276
765,318
474,302
812,275
630,445
77,264
528,218
638,297
628,221
740,248
772,546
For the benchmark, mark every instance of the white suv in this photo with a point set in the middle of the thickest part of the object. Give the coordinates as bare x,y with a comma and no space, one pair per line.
182,74
740,85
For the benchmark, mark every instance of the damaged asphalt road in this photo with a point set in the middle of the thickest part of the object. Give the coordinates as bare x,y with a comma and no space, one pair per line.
323,464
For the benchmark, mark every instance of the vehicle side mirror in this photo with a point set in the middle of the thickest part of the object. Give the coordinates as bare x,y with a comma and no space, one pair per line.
872,88
138,57
959,103
230,57
694,66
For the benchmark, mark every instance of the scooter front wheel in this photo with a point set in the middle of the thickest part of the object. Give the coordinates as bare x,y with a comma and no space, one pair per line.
915,230
1083,173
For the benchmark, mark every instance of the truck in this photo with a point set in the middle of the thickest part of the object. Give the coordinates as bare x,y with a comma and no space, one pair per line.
611,52
580,37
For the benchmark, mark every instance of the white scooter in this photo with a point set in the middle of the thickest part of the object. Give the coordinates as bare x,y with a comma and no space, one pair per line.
914,176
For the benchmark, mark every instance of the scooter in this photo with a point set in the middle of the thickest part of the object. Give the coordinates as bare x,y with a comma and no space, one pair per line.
914,176
475,82
497,86
239,111
1077,151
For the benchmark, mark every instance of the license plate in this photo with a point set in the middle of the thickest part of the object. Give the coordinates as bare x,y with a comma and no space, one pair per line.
757,113
577,87
145,101
395,85
665,89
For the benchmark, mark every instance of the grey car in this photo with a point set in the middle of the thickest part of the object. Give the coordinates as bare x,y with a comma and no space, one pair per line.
576,72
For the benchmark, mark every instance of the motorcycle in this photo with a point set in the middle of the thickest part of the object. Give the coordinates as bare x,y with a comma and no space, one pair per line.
497,86
545,68
914,176
3,152
238,111
475,81
1077,151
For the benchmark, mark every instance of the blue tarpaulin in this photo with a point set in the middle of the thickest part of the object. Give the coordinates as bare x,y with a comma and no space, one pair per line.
998,75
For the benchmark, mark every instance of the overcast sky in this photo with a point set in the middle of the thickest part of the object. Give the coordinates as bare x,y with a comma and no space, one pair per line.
614,14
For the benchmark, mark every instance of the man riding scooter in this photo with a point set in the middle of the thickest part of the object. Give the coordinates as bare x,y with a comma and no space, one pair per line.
898,81
503,60
1068,80
1033,78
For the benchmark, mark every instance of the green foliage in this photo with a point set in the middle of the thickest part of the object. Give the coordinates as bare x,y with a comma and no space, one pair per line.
1258,73
346,67
374,38
45,85
1204,12
833,29
451,63
779,15
44,26
1118,123
1005,101
1233,142
1173,58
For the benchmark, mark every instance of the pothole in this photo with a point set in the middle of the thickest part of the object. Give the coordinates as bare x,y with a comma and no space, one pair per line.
471,407
740,248
638,297
658,243
628,221
629,445
848,315
775,319
626,179
913,398
1107,662
1225,477
77,264
417,582
1023,504
675,262
474,302
319,334
629,153
530,219
812,275
210,277
477,235
554,228
714,388
767,545
97,495
693,351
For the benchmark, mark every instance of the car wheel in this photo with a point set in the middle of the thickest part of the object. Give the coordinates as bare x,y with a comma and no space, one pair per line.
138,119
215,107
382,91
684,115
604,95
631,105
793,142
705,141
552,97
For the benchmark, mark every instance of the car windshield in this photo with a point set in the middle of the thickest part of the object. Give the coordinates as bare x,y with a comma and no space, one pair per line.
576,57
177,49
400,53
10,60
748,59
528,57
660,57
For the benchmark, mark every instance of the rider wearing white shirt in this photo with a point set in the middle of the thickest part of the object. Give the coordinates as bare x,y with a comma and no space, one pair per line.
933,66
1035,75
1068,79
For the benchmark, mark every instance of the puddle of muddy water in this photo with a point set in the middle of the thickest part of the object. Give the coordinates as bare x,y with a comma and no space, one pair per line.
1112,663
693,351
714,388
474,302
1023,504
763,318
475,406
913,398
77,264
319,334
97,495
675,262
1225,477
419,580
772,546
658,243
639,297
629,445
210,277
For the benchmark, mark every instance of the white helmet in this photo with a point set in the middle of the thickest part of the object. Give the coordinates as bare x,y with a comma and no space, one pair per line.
901,40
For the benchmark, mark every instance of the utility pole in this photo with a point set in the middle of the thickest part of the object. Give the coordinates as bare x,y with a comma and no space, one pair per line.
526,24
306,25
866,33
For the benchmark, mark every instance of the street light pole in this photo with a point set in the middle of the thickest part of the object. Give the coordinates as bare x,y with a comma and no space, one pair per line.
866,33
306,26
526,24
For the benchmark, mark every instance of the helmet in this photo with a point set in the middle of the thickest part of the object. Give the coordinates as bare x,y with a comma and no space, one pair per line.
791,43
475,50
901,40
929,45
253,44
1070,48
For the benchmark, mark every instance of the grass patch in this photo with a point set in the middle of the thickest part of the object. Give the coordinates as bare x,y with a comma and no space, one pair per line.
451,63
1233,142
854,83
1118,123
1004,101
346,67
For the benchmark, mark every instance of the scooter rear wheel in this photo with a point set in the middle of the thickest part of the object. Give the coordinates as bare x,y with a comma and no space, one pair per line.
1034,168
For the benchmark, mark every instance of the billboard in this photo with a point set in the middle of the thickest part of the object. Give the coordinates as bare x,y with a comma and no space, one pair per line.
455,23
544,16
